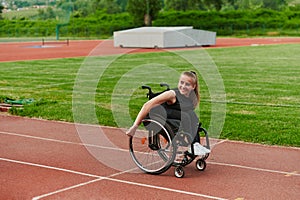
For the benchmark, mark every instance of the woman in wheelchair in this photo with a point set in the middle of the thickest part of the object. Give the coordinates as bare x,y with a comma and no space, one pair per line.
177,104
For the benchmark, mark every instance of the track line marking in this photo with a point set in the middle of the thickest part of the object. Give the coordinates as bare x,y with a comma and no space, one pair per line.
217,143
99,178
166,189
61,141
64,189
295,173
49,167
292,173
254,168
78,185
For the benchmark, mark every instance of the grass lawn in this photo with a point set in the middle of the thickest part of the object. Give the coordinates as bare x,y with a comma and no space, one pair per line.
262,85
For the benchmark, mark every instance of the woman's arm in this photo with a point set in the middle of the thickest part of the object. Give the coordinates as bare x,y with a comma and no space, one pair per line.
168,96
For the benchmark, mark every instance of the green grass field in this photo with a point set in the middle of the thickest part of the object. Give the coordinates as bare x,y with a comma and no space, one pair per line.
262,85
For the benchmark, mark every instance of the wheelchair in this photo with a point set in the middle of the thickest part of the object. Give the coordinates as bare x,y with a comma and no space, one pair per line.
157,144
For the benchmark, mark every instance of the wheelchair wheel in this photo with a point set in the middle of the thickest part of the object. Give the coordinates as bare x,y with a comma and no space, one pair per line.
179,172
200,164
152,148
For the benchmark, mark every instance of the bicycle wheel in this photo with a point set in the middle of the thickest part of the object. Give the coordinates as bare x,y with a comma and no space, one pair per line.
152,148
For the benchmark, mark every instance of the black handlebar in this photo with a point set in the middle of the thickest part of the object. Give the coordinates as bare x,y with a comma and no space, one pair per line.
146,87
149,90
165,85
150,94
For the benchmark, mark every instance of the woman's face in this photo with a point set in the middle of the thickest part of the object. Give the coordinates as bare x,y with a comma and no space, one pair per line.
185,85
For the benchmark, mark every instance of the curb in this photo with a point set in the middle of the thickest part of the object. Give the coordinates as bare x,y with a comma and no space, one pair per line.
4,107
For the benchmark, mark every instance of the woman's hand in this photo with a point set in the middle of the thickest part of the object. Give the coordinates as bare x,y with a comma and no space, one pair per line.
131,131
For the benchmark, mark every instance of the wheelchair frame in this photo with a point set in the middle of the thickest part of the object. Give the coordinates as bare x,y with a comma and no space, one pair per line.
158,148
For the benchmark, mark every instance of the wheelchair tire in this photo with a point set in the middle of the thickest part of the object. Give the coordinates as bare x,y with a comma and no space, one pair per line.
200,164
179,172
153,150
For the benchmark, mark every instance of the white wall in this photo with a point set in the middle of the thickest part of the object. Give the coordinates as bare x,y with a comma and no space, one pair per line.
163,37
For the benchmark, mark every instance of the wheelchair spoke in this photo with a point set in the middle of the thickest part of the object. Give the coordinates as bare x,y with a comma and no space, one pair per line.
152,150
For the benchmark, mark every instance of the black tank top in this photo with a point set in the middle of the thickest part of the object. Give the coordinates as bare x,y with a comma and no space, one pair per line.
182,103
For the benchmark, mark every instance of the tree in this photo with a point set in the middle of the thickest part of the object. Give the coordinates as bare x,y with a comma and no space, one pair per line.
110,6
122,4
144,11
184,5
243,4
46,14
1,8
255,4
274,4
216,4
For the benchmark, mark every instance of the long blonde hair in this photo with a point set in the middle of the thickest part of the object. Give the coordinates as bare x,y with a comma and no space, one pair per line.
193,75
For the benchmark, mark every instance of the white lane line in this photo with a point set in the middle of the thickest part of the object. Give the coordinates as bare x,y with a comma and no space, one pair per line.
99,178
49,167
79,185
119,149
218,142
61,141
65,189
167,189
254,168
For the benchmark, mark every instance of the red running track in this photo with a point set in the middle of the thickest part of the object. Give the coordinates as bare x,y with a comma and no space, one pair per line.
47,160
42,159
35,50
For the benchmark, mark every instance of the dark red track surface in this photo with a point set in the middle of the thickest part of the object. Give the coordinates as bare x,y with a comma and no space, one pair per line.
42,159
47,160
35,50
